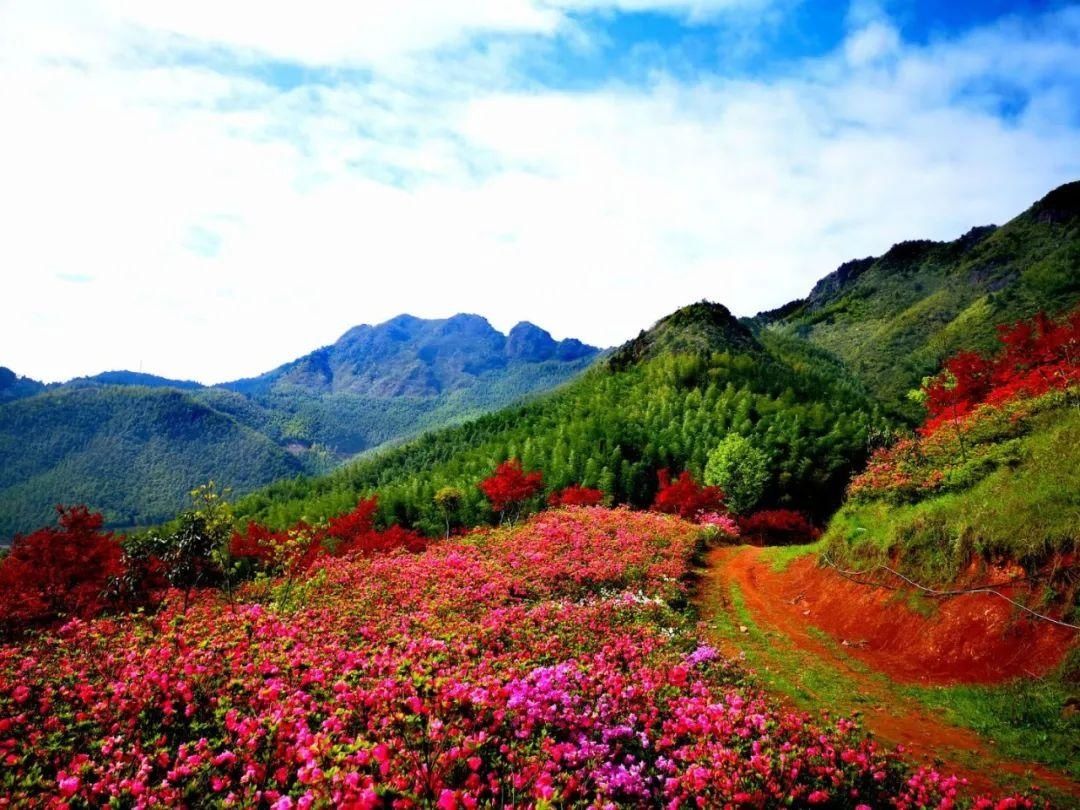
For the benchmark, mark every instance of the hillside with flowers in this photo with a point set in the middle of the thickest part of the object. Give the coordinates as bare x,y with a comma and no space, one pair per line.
992,473
660,585
551,664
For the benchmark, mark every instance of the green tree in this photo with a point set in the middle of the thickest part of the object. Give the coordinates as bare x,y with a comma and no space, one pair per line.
448,501
740,469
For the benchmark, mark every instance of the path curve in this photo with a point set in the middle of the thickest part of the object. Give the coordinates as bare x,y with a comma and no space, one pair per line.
893,718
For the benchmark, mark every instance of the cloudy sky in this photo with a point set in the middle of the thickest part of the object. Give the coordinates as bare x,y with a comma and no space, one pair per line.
205,189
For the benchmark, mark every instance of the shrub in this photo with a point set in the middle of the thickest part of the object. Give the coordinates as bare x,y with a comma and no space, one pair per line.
741,469
59,572
509,487
777,527
576,495
685,497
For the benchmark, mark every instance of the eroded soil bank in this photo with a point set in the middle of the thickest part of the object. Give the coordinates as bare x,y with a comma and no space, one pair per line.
876,642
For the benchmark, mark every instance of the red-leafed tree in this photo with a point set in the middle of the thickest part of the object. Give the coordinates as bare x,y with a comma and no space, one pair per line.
509,487
59,572
576,495
295,550
777,527
685,497
255,544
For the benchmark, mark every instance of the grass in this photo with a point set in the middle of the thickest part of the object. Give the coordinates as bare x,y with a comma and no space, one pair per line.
1024,512
1024,719
780,558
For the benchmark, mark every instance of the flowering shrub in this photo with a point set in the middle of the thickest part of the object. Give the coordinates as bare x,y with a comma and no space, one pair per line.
576,495
59,572
984,402
777,527
515,667
723,524
685,497
298,548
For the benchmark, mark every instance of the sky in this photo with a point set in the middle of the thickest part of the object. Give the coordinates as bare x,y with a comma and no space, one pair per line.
207,189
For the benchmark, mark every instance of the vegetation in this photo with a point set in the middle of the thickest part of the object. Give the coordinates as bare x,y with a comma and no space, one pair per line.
132,445
312,645
895,318
540,666
130,453
617,425
992,475
740,469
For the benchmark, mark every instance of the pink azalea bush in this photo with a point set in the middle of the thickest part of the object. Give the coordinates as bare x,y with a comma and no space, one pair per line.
538,666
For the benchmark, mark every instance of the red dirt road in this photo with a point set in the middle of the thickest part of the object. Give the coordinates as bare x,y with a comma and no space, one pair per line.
968,639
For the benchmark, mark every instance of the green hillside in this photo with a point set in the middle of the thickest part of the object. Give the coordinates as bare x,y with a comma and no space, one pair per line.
1013,496
664,400
132,445
894,318
131,452
807,383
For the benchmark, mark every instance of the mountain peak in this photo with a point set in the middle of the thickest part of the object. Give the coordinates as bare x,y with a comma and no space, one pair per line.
1059,206
418,357
13,387
700,328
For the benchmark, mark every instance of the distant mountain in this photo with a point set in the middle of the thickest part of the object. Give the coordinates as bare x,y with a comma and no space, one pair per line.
133,444
13,387
894,318
414,357
134,378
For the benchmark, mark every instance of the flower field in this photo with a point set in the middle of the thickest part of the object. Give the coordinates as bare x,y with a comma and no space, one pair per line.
550,665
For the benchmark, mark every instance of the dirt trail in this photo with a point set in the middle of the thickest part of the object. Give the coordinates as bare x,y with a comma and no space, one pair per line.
778,604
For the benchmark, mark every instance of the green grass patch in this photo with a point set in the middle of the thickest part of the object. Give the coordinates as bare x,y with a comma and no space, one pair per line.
1025,719
1023,512
780,558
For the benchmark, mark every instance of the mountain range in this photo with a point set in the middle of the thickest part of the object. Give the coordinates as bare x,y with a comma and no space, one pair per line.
133,444
811,383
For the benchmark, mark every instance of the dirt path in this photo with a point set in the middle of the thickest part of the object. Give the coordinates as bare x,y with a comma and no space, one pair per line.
788,634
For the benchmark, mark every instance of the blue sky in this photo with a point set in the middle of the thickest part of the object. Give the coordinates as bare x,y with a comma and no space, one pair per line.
208,189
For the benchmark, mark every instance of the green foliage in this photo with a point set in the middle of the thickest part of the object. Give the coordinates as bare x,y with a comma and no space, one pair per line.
1024,718
1017,498
893,319
194,549
615,427
740,469
448,501
132,451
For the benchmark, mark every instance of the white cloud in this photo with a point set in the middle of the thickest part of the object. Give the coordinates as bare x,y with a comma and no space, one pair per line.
228,225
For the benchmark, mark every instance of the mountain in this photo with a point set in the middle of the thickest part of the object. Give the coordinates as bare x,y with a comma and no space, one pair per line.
892,319
809,383
663,400
134,378
13,387
414,357
132,444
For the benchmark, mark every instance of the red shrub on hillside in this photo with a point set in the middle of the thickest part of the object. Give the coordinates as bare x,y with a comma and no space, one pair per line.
510,486
576,495
771,527
685,497
1033,357
297,548
58,573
